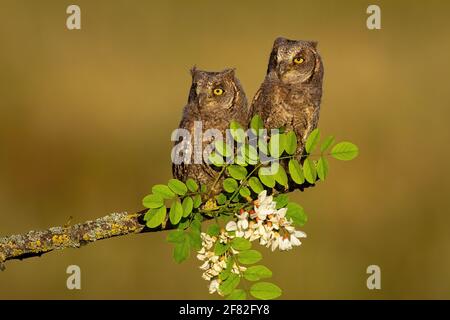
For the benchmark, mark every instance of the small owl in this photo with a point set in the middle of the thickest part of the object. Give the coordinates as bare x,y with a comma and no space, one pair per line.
215,98
290,95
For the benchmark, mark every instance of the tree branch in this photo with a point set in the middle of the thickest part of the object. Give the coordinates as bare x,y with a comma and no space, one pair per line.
36,243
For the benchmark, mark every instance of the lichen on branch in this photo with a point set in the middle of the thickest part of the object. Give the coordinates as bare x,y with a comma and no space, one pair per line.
38,242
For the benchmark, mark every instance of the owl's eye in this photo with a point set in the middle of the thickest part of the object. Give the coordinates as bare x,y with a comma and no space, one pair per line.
299,60
218,91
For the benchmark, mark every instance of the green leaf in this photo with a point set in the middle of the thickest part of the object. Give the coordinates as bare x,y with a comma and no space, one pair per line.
240,244
213,230
216,159
176,212
297,214
226,273
230,185
220,248
249,256
296,172
265,291
204,188
256,124
196,224
153,201
197,201
282,200
237,172
277,145
176,236
182,250
183,224
155,217
322,168
195,240
177,186
250,153
240,157
309,171
188,205
326,143
244,192
223,148
312,140
255,184
234,125
163,191
230,284
256,273
237,294
237,132
221,199
280,176
263,146
344,151
291,142
191,185
266,179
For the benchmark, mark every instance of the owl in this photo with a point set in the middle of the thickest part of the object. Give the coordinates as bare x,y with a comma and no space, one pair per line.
215,98
289,98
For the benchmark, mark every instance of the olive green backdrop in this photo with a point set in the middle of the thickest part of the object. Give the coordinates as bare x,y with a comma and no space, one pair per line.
86,117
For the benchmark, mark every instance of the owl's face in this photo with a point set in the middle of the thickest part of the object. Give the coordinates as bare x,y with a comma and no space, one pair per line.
293,61
213,90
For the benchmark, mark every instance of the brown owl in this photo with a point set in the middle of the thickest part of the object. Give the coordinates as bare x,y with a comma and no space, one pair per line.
290,95
215,98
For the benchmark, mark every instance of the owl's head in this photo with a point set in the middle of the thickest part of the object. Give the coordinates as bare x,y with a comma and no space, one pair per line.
214,90
294,61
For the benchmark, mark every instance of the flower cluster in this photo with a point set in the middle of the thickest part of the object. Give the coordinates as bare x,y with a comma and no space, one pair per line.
264,222
267,224
213,264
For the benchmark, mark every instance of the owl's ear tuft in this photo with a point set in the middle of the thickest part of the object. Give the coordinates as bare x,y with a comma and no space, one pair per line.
273,55
313,44
279,42
230,72
193,70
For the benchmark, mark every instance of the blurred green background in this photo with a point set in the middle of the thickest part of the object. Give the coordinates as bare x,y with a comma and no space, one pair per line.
86,118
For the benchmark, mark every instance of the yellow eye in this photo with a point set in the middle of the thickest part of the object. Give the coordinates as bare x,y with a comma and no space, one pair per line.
218,91
298,60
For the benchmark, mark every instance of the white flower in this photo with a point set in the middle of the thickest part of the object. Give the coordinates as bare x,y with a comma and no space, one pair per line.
299,234
271,227
295,237
214,286
274,245
240,227
284,243
206,277
242,224
231,226
263,206
281,213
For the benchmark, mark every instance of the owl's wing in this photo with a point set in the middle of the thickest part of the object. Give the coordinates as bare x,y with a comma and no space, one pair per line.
305,121
267,103
180,171
256,104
